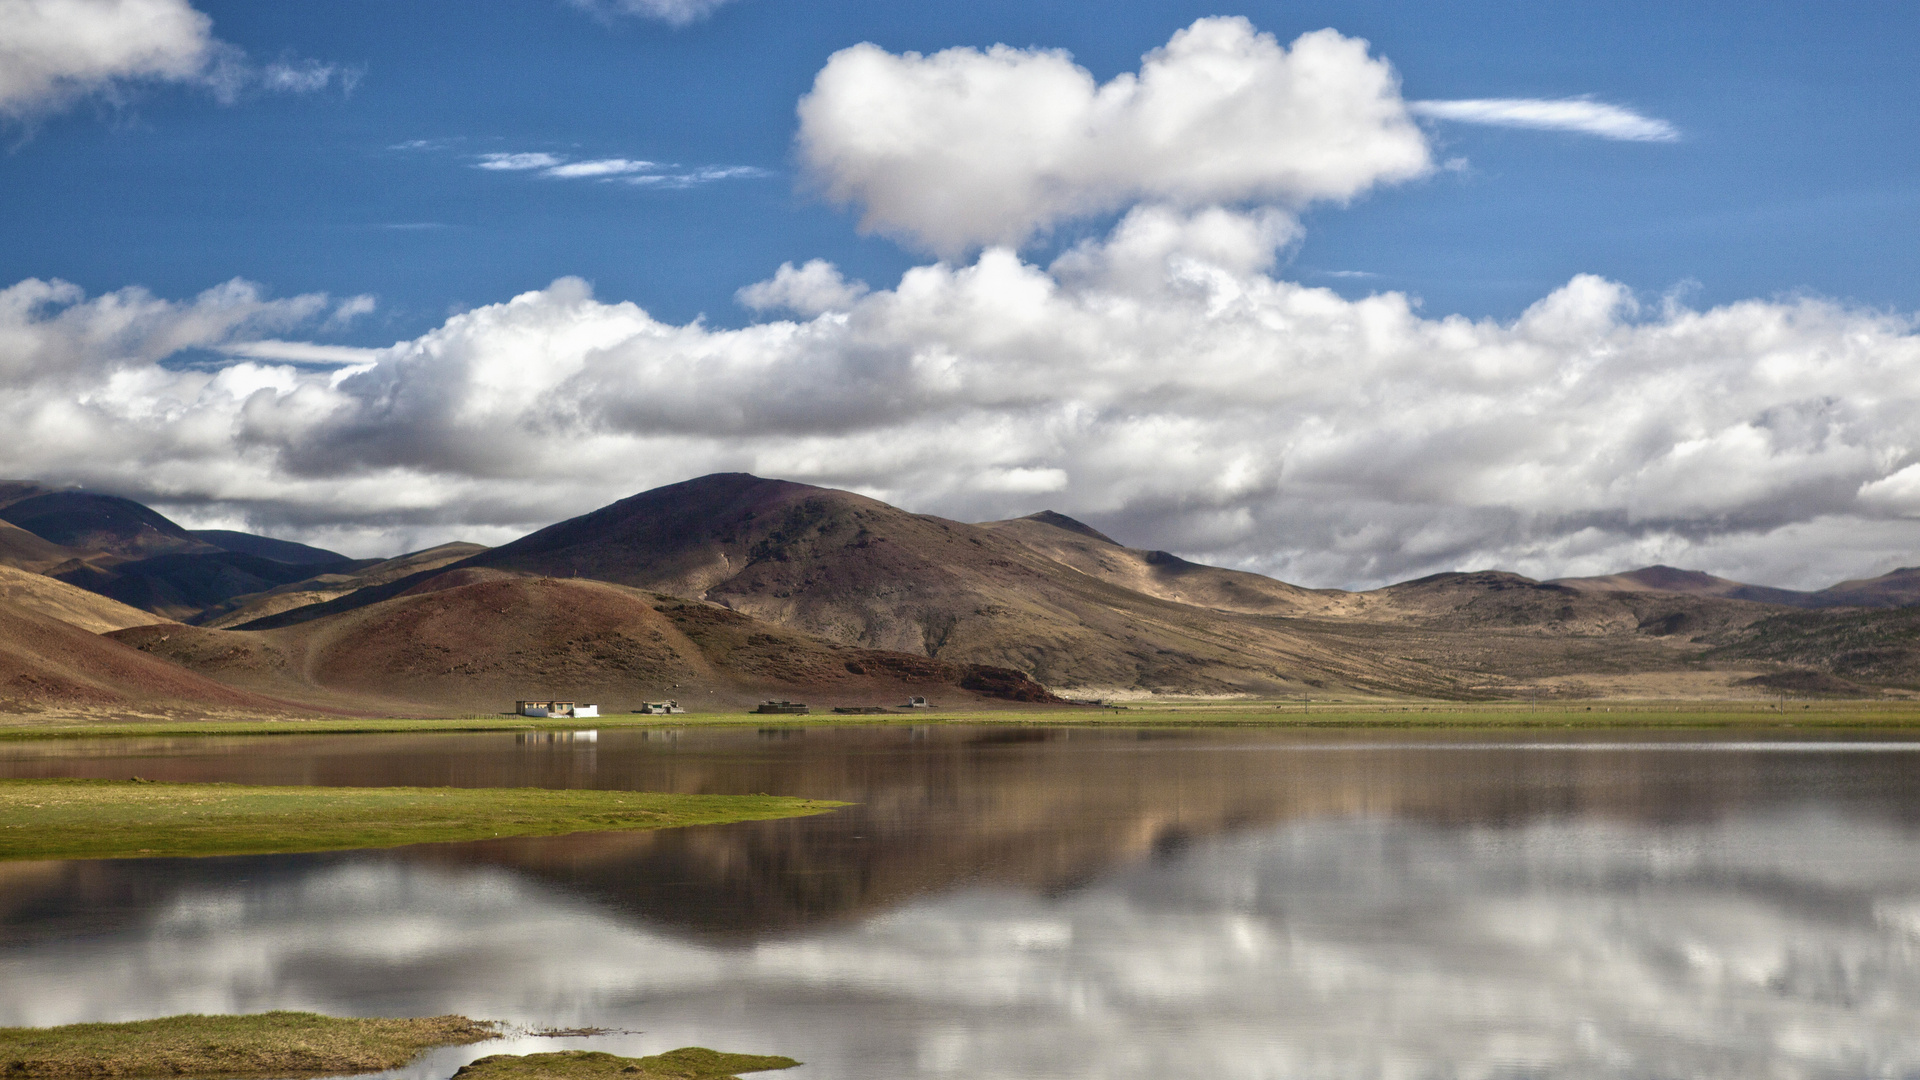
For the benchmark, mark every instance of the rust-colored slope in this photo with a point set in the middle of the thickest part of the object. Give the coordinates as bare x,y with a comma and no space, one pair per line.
70,604
46,663
475,640
325,587
23,550
856,571
1161,574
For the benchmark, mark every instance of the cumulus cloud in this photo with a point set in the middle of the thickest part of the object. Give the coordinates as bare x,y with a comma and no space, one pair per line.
54,52
813,289
1581,115
965,147
1159,381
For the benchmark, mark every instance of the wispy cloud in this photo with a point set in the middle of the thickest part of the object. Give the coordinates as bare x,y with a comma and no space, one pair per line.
517,162
671,12
309,76
624,170
603,167
1582,115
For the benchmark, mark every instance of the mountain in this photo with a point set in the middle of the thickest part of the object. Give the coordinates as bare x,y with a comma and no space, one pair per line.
855,571
182,586
336,582
475,640
266,547
1160,574
23,550
1899,588
68,603
48,665
1075,610
1693,583
109,523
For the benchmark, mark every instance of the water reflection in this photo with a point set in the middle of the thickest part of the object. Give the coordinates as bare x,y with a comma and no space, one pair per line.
1218,904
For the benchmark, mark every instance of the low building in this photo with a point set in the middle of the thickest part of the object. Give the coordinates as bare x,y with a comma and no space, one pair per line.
556,708
783,707
918,703
659,708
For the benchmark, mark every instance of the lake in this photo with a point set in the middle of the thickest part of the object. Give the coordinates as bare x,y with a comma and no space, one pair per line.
1070,903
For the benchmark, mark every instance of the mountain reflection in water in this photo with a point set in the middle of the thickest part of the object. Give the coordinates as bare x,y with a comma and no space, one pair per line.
1207,903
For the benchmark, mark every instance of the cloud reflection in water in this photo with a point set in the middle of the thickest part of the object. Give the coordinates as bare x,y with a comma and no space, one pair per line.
1781,944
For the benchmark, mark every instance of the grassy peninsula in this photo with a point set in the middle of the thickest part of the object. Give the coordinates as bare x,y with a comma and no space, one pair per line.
108,819
275,1044
686,1063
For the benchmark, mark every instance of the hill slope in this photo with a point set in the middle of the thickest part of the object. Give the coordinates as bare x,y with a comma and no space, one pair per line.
90,522
321,588
1161,574
476,640
48,664
70,604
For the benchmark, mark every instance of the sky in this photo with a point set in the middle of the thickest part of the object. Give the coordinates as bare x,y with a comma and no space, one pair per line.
1345,293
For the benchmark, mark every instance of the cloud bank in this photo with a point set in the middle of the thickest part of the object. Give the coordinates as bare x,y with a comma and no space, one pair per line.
966,148
1158,381
1581,115
55,52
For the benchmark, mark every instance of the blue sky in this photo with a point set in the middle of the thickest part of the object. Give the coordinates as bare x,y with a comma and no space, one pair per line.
378,275
1794,170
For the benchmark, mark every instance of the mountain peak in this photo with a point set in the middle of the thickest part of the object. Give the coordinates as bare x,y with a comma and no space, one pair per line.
1062,521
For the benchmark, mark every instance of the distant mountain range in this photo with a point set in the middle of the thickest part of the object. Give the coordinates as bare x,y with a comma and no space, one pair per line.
730,586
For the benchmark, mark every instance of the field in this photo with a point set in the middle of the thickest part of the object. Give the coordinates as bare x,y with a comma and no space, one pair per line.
274,1044
108,819
1776,712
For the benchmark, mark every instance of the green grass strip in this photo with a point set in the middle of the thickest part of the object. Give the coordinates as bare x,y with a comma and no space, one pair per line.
274,1044
118,819
686,1063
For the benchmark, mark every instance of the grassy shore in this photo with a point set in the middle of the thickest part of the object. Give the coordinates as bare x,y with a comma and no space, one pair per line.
275,1044
686,1063
1747,713
108,819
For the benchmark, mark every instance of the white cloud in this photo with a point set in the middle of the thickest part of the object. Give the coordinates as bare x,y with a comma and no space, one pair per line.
1159,382
295,76
517,162
1582,115
965,148
624,170
602,167
302,352
54,52
672,12
813,289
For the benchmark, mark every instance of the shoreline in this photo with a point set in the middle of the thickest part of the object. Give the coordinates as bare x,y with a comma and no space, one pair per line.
1285,714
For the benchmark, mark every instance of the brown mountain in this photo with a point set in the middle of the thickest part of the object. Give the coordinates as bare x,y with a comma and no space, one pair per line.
855,571
1163,575
70,604
91,522
26,551
1899,588
332,585
1053,598
1667,579
49,665
475,640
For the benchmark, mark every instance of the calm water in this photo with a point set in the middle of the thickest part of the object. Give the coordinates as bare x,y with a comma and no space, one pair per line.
1046,903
